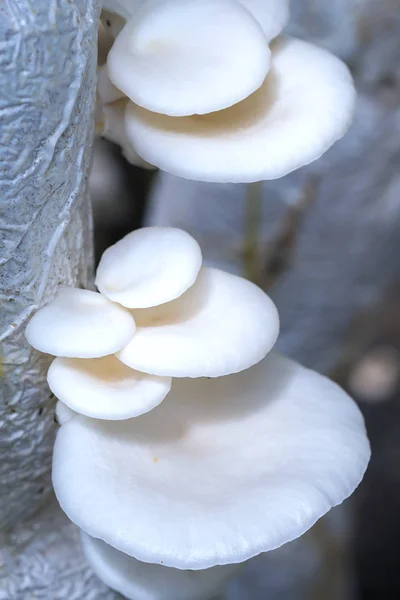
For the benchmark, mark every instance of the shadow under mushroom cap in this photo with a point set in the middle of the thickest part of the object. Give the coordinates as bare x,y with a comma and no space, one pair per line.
222,470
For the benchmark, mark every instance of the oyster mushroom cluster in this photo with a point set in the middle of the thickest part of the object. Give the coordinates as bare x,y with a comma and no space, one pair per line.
186,446
209,89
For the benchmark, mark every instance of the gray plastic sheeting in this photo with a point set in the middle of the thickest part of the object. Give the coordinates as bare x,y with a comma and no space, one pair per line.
47,76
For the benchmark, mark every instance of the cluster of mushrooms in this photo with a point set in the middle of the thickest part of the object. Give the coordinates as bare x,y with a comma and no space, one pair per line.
186,446
209,90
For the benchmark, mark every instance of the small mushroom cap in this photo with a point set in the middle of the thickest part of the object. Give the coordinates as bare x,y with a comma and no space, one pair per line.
223,324
149,266
272,15
189,57
136,580
106,90
80,324
104,388
63,413
222,470
305,104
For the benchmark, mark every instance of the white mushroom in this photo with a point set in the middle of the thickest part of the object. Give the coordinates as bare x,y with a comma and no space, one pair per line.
136,580
106,90
221,325
189,57
104,388
112,126
272,15
80,324
149,266
63,413
222,470
305,104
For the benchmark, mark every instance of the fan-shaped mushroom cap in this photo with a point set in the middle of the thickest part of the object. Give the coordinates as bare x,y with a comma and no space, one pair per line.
189,57
136,580
222,470
149,266
63,413
272,15
221,325
104,388
80,324
305,104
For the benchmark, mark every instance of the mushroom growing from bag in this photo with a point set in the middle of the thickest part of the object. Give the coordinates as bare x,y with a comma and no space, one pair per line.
214,97
242,452
222,470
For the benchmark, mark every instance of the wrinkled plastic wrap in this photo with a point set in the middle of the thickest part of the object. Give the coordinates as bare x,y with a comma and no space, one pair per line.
47,77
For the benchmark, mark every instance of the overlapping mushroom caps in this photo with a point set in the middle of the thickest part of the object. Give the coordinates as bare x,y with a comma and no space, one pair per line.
213,95
159,314
243,453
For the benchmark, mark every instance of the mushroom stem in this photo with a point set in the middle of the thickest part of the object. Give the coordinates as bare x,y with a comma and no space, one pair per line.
251,237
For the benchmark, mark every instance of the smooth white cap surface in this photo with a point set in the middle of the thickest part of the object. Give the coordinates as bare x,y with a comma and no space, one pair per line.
149,266
305,104
222,470
136,580
80,324
223,324
104,388
272,15
189,57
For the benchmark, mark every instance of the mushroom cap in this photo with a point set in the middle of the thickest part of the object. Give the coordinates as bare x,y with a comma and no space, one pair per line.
272,15
189,57
63,413
106,90
305,104
221,325
104,388
222,470
136,580
80,324
149,266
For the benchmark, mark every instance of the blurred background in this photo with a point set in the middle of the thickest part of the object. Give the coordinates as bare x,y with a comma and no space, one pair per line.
326,249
